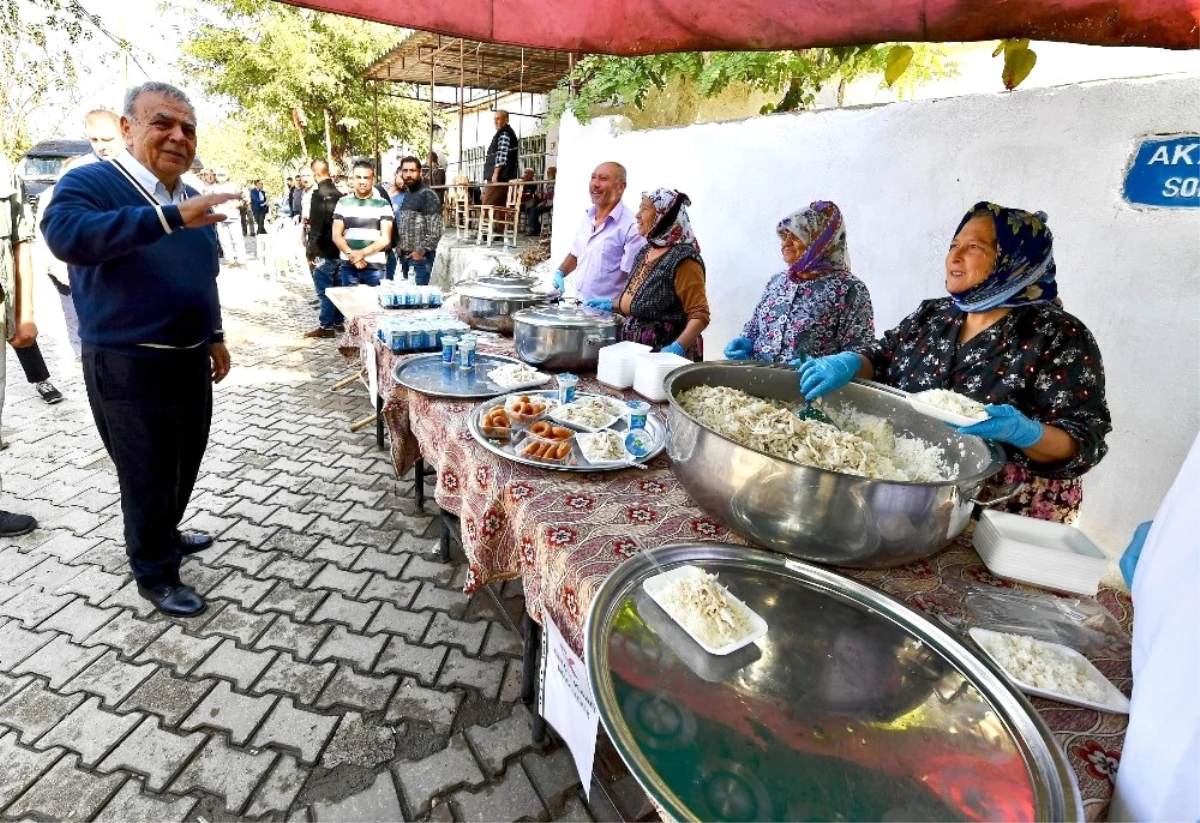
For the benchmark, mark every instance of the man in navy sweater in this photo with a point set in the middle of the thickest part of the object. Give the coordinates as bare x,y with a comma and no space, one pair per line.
142,254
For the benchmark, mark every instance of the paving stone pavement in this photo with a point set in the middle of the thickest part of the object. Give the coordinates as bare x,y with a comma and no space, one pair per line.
338,673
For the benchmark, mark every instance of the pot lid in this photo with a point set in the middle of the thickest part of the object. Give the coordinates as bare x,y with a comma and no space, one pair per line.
504,287
569,315
851,707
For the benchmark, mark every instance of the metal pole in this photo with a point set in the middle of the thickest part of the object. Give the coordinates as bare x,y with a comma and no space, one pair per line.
432,107
375,96
462,99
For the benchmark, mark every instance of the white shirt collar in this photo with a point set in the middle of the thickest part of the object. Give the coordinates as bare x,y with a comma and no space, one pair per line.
148,181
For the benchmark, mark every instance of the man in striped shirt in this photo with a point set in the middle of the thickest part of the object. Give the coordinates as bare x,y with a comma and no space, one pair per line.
362,229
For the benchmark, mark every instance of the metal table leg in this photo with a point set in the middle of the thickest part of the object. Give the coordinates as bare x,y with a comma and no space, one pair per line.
530,652
378,422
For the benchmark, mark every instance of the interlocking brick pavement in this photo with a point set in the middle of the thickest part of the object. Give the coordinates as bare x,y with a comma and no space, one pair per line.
339,673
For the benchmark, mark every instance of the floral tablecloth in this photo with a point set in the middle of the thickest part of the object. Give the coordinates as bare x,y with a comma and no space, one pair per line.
563,534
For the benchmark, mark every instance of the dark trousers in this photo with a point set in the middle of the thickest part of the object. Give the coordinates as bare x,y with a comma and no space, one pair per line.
422,269
32,363
259,218
153,410
350,276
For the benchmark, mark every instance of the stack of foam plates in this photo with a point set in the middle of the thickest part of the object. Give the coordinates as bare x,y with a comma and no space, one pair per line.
1038,552
615,366
650,370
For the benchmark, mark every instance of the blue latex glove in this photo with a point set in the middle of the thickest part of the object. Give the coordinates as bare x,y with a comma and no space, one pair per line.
739,348
601,303
1133,551
560,280
821,375
674,348
1006,425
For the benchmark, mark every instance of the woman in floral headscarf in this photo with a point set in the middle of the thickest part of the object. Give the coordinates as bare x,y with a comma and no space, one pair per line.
1000,338
664,303
817,306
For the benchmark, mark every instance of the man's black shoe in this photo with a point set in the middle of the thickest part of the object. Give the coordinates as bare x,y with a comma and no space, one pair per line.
15,525
50,394
192,542
175,601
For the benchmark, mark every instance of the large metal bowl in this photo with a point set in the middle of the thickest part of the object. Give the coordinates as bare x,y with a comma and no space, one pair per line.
489,302
565,337
814,514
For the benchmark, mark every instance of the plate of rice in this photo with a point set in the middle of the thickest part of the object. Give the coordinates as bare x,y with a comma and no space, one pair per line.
1051,670
513,376
719,622
951,407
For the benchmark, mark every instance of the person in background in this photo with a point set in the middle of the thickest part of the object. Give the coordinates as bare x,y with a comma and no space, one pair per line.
362,229
664,303
607,240
259,206
144,268
1000,338
816,307
1157,778
433,174
103,130
285,205
542,203
322,252
16,297
247,218
296,194
501,162
60,275
395,193
418,224
233,242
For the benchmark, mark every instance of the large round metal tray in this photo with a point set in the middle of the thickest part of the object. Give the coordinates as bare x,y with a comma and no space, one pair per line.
655,428
851,707
427,374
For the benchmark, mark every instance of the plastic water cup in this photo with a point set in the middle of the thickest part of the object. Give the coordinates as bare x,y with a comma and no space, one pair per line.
638,409
449,344
567,383
466,354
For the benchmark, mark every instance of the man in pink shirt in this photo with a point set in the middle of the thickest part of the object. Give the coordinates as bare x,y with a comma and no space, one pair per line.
602,253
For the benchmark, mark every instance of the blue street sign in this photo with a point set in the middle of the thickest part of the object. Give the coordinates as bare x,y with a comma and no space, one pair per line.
1166,173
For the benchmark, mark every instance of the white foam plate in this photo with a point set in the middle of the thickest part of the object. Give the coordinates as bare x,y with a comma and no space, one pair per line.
1116,703
1043,534
584,441
758,627
941,414
542,379
557,415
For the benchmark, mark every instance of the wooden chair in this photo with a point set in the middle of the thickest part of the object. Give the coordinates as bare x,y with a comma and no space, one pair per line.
506,218
466,215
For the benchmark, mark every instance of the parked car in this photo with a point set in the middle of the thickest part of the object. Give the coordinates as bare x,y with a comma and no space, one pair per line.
42,163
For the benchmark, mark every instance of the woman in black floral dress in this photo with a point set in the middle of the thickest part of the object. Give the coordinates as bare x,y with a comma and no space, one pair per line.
1001,338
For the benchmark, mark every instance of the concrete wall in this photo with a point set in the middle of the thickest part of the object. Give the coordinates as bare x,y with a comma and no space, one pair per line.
904,174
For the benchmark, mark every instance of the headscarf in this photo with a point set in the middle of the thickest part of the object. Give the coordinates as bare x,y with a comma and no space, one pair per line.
821,228
1024,271
663,234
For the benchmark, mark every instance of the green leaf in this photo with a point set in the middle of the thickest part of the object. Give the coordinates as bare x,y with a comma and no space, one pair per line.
1018,63
898,58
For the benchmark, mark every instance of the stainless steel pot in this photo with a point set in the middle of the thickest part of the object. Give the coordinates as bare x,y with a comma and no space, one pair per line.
489,302
819,515
567,336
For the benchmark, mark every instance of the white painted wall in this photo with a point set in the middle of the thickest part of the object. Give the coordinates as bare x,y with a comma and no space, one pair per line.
903,174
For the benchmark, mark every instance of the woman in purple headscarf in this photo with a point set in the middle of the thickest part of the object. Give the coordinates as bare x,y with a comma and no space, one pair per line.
816,307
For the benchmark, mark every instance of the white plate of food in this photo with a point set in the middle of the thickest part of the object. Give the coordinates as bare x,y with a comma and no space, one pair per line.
604,448
719,622
589,414
515,376
948,406
1050,670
